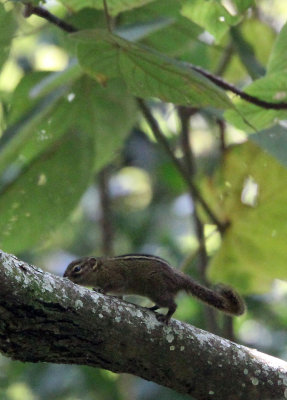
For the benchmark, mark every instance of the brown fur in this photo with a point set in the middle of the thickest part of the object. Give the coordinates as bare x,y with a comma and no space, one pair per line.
150,277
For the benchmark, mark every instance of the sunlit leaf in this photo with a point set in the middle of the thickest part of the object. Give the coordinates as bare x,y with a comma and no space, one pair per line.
253,251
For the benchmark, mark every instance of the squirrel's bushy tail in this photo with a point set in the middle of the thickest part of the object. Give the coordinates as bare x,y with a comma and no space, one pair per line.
234,304
222,297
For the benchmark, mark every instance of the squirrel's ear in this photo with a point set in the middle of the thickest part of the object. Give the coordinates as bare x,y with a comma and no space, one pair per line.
94,263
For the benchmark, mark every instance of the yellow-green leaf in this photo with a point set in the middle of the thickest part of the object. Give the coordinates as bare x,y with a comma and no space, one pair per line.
251,194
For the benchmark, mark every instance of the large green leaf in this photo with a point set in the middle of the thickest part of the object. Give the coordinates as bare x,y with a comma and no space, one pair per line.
114,6
274,141
79,136
88,106
16,137
278,57
211,15
146,73
45,193
108,112
7,29
253,251
35,122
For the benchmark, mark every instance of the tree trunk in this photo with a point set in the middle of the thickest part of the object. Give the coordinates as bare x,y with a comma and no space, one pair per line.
45,318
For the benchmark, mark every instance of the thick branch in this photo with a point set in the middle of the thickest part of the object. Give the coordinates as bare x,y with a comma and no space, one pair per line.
49,319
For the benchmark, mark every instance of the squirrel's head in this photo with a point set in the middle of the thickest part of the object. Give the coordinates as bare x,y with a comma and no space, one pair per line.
78,271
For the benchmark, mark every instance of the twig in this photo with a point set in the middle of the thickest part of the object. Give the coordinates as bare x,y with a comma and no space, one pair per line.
185,115
184,174
245,96
221,124
225,59
106,218
107,16
45,14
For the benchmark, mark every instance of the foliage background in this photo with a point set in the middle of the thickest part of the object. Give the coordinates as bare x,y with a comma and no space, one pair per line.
81,172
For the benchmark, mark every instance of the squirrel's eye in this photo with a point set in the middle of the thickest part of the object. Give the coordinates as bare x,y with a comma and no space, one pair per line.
77,269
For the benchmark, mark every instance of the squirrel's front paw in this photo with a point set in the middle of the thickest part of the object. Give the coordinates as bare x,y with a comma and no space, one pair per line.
162,318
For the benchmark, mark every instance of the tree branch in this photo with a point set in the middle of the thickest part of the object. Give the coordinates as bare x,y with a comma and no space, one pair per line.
107,233
183,172
45,14
49,319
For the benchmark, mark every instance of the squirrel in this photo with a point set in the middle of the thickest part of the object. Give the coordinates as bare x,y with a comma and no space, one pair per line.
151,277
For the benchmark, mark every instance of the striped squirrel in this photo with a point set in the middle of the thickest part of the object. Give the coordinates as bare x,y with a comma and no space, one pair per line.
151,277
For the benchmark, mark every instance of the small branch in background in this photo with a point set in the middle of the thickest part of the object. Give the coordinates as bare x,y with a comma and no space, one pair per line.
106,210
222,132
188,159
184,174
185,114
45,14
225,59
107,16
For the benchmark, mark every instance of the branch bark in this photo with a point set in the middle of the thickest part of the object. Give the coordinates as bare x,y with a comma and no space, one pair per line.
49,319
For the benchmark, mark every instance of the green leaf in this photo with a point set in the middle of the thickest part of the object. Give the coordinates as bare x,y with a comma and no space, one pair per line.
211,15
271,88
7,29
146,73
109,113
243,5
95,122
178,39
253,251
45,194
278,58
25,125
246,54
114,6
274,141
139,31
55,80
